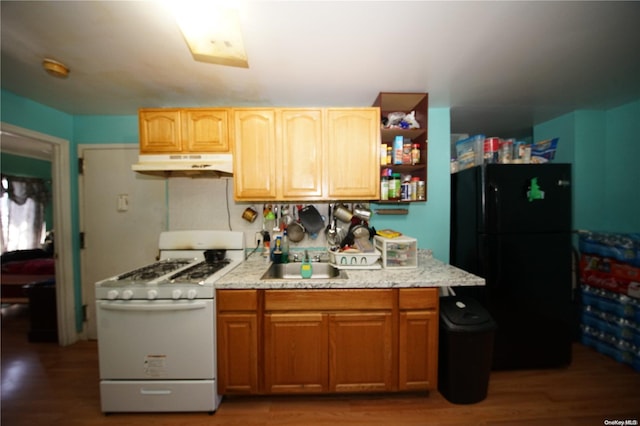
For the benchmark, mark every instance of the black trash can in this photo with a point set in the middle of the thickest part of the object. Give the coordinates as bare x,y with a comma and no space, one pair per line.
466,349
43,315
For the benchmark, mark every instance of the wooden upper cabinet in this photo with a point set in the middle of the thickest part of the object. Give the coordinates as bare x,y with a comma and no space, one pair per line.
353,153
301,153
206,130
254,159
176,131
160,131
316,154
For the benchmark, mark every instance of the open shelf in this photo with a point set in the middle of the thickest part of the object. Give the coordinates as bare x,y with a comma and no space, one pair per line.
389,102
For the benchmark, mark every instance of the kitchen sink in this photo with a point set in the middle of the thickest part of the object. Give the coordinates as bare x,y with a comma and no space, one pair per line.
291,271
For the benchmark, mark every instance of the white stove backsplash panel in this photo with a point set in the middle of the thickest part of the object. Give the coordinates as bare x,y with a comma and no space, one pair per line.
201,203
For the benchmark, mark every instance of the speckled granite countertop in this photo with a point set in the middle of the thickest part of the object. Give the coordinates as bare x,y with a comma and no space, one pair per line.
429,273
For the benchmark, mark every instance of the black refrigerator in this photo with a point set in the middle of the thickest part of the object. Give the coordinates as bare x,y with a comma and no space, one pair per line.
511,224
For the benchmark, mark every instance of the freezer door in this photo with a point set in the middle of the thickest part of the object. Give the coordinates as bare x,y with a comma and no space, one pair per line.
526,198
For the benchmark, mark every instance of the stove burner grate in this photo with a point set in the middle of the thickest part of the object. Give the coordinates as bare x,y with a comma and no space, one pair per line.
155,270
199,271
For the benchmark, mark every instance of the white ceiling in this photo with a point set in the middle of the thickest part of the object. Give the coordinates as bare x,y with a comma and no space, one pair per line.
500,66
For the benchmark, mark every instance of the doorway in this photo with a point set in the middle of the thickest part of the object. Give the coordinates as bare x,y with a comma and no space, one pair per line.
19,141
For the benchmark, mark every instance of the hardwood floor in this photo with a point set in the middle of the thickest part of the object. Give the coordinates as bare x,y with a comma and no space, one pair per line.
44,384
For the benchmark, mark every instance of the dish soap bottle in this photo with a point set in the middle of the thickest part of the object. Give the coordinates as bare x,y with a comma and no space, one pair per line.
306,270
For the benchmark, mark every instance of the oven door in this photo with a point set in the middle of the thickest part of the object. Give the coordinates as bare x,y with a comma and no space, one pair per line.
156,340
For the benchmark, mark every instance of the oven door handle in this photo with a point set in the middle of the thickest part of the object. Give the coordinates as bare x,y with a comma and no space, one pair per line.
155,306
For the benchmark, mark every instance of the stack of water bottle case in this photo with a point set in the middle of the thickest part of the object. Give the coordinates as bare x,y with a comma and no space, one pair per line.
610,294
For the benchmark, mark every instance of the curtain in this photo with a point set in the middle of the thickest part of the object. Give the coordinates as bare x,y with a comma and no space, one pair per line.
22,204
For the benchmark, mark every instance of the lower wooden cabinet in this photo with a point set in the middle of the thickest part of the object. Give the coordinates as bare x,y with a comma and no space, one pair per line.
418,339
296,352
318,341
361,352
237,342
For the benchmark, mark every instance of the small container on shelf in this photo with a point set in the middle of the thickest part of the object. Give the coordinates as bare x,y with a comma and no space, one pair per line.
383,155
421,190
415,153
384,187
397,253
397,149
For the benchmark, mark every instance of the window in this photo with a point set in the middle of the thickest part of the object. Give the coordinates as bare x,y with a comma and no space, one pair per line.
22,213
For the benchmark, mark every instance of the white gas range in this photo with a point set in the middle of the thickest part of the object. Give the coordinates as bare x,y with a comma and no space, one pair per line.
156,325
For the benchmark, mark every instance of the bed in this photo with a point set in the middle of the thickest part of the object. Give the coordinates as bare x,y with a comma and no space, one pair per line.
22,267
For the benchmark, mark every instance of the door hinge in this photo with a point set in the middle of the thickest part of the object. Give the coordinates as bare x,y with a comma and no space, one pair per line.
80,166
85,315
81,240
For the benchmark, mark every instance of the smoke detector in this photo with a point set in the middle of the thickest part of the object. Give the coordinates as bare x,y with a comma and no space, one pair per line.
55,68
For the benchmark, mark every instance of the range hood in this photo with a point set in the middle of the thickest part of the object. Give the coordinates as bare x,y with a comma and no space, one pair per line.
184,163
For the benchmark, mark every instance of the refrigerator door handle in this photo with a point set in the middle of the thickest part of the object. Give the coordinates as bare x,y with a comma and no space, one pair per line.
496,204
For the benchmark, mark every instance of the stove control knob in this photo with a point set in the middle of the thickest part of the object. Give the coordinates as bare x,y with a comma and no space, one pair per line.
112,294
152,294
175,294
127,294
192,293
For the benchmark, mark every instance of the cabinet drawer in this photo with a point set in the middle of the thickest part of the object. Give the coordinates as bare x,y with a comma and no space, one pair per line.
237,300
316,300
418,298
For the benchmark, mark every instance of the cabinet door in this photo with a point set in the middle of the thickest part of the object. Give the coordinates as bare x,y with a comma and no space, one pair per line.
159,131
237,353
296,352
254,154
206,130
418,350
301,153
361,352
353,153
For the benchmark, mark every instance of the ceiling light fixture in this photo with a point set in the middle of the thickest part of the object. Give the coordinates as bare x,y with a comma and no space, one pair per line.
55,68
212,31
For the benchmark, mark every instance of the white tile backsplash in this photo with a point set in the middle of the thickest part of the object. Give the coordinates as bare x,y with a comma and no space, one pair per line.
207,203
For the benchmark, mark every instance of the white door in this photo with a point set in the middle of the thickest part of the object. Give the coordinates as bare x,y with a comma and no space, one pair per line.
122,215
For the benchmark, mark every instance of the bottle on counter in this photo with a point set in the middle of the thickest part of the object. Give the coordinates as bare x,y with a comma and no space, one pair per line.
266,244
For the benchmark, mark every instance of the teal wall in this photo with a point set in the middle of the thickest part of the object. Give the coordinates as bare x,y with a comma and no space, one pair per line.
100,129
17,165
622,195
603,147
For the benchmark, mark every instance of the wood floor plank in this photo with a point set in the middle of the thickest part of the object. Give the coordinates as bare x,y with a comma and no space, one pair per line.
45,384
